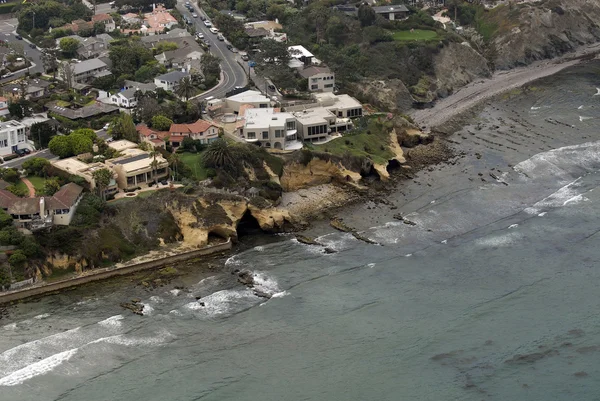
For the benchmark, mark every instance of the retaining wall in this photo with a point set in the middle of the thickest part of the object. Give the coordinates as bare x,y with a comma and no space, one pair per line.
108,273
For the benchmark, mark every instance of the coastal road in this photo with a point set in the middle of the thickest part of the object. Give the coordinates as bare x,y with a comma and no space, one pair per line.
233,74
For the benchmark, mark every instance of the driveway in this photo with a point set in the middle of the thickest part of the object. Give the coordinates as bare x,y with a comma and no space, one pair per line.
233,74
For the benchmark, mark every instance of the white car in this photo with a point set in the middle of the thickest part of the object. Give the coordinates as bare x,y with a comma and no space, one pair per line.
195,15
106,127
207,23
214,30
200,36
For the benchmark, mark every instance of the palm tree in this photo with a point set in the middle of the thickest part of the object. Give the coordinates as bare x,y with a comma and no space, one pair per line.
185,88
174,160
102,177
154,164
220,154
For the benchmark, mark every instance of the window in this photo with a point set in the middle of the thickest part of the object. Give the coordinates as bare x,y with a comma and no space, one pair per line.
263,105
329,85
314,87
291,125
278,133
314,80
251,135
265,135
316,130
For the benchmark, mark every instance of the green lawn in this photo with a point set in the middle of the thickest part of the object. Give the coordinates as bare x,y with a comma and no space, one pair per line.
416,34
372,141
193,161
38,182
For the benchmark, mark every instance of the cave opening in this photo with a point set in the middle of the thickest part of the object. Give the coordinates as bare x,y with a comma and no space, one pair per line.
248,225
393,165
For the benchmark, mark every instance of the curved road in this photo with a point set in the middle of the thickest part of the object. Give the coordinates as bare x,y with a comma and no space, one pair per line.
233,74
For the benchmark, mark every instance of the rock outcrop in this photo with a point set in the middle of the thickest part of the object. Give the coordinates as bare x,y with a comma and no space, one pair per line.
316,172
390,95
539,30
456,65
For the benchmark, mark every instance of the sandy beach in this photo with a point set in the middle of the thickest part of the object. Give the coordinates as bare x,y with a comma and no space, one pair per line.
482,89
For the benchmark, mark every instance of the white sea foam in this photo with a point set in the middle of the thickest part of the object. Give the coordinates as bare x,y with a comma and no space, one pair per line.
175,292
11,326
156,299
38,368
147,310
580,107
597,92
265,283
495,241
408,255
575,199
445,241
259,248
583,118
337,241
42,316
565,195
542,214
280,294
513,226
113,321
371,265
535,107
223,302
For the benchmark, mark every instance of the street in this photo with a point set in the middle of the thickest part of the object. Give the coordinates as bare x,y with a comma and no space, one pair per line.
7,27
18,162
233,74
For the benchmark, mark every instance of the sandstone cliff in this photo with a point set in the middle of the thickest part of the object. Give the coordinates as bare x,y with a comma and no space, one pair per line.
297,175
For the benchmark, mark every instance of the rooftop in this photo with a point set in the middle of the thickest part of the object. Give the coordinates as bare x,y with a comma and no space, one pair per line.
137,159
316,115
390,9
88,65
12,124
299,51
249,97
101,17
264,118
122,145
313,70
83,112
65,197
197,127
330,100
173,76
140,86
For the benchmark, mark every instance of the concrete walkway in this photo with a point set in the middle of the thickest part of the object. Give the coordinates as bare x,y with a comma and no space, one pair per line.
30,187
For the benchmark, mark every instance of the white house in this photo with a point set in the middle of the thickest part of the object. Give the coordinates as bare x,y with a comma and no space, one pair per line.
124,98
170,80
269,129
13,136
254,98
3,106
320,79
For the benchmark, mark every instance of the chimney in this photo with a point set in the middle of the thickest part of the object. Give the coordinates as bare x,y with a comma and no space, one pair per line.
42,208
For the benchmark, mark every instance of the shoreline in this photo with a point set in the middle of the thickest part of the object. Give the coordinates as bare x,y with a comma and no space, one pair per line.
475,93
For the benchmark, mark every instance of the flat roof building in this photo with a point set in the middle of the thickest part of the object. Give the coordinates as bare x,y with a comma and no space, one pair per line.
137,167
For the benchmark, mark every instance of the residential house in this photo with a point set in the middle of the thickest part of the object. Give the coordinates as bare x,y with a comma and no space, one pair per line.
265,30
142,87
234,15
155,138
202,130
181,57
93,46
131,18
254,98
392,12
348,9
85,112
315,124
172,36
300,56
342,106
74,166
13,136
88,70
156,21
269,128
43,212
3,106
78,25
170,80
122,145
106,19
35,88
137,167
320,79
125,98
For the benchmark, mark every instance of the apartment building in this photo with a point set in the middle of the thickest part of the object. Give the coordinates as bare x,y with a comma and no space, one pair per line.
13,136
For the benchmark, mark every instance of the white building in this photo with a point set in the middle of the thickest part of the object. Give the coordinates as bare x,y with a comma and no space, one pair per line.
269,129
320,79
13,136
342,106
254,98
301,57
170,80
124,98
3,106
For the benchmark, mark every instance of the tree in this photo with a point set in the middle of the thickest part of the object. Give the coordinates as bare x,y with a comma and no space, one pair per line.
69,46
17,259
272,53
366,15
51,186
36,166
146,108
60,146
210,66
66,71
154,163
128,56
41,133
188,144
87,132
5,219
23,85
164,47
16,110
11,175
80,143
102,178
219,154
124,128
185,88
161,123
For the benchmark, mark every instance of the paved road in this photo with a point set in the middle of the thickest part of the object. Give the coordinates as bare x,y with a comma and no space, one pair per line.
7,27
16,163
233,74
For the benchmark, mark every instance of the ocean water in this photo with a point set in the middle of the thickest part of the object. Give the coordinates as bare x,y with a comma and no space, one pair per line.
493,294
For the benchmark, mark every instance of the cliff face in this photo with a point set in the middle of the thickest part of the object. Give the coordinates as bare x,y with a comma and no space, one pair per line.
457,65
529,32
316,172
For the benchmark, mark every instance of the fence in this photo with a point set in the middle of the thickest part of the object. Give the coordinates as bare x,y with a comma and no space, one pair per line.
111,272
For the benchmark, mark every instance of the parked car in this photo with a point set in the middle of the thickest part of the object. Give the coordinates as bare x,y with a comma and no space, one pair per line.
207,42
19,37
229,47
33,46
200,35
195,15
214,30
27,151
106,127
245,56
207,23
220,37
203,18
271,87
20,152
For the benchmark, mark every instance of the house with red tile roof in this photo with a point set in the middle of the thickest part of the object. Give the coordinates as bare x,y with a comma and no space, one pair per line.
157,139
202,130
106,19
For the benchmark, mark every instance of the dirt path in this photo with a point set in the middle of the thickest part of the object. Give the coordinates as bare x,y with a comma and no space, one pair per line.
502,81
30,187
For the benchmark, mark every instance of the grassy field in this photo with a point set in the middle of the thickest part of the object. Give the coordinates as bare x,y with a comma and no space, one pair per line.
192,160
372,140
38,182
416,34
